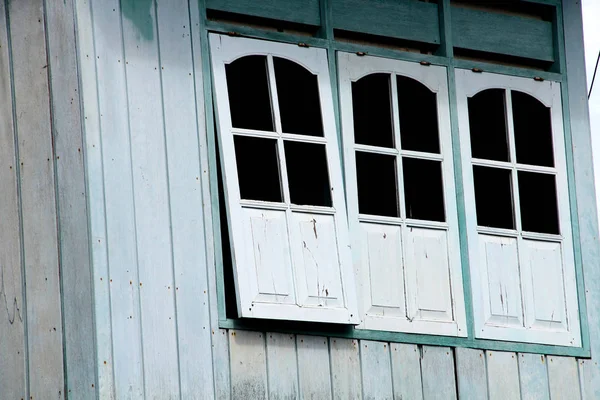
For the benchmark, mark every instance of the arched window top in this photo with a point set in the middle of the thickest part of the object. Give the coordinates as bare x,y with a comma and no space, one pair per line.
250,81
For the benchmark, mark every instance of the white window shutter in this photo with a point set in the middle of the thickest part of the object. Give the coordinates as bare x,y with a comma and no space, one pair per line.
408,267
523,280
291,261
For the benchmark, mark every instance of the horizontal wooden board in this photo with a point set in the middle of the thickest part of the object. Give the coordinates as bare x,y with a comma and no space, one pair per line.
503,34
406,19
299,11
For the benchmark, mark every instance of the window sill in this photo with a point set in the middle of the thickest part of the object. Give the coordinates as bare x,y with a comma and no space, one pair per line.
349,332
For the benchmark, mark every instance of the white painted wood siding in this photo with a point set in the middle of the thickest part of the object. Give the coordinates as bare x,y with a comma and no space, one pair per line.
201,360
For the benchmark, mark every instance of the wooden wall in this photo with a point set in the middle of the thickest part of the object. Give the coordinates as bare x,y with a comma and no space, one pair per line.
142,323
46,322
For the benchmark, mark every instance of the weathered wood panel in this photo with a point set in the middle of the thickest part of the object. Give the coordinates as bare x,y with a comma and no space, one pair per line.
437,366
313,367
503,375
38,198
471,376
117,202
282,366
13,360
376,370
563,376
77,300
406,368
248,365
533,376
345,369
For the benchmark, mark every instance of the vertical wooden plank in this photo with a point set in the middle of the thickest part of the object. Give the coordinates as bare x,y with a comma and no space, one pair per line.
471,374
152,210
121,246
248,365
563,376
185,196
282,366
533,376
95,191
36,161
579,124
345,369
72,203
376,370
406,371
503,376
313,367
13,379
437,367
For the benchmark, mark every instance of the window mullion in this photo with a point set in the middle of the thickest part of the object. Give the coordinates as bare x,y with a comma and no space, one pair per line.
397,145
278,129
513,160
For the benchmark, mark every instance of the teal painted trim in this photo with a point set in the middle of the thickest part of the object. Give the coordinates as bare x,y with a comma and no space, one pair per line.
341,331
212,163
569,150
389,53
503,34
543,2
247,31
299,11
507,70
445,13
446,48
400,19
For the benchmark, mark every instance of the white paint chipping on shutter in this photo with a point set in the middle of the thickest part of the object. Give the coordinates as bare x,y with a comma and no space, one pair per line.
408,271
291,261
523,283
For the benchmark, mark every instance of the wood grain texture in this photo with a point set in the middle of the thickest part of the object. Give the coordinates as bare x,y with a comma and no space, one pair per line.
300,11
13,356
533,376
282,366
248,365
410,20
503,376
313,367
563,376
471,374
437,366
67,131
502,34
406,371
345,369
38,198
376,370
185,199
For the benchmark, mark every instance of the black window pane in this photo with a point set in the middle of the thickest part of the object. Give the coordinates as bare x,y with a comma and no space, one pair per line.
249,96
308,174
418,116
493,197
376,180
537,195
533,130
372,111
423,189
487,123
299,103
258,168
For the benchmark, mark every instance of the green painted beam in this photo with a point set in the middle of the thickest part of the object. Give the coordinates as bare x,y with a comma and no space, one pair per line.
299,11
502,34
399,19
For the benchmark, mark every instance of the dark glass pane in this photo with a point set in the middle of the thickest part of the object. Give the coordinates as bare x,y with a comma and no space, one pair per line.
258,168
537,195
487,123
376,180
308,174
533,130
372,110
299,103
249,96
423,189
418,116
493,197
